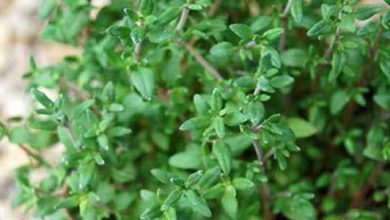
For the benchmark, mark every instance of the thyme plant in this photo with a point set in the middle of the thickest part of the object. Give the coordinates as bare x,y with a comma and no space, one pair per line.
205,109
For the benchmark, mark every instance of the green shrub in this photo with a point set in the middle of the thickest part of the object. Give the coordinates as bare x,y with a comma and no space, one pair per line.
195,110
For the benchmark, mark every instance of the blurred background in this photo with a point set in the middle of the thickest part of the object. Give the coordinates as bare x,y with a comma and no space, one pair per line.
19,38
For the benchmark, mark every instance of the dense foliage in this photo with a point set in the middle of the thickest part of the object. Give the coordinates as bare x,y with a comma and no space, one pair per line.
221,109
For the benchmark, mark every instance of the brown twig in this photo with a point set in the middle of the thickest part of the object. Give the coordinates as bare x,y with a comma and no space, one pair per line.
183,18
328,53
137,51
194,53
36,157
202,61
214,8
351,107
73,89
283,22
359,196
76,92
265,191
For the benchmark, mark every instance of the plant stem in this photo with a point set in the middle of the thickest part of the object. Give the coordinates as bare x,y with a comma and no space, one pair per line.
351,107
194,53
283,22
359,196
328,52
214,8
286,10
137,51
265,191
202,61
35,156
183,18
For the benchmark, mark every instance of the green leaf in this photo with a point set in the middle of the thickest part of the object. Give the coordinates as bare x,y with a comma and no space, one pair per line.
294,57
198,204
46,8
99,159
172,198
242,183
221,49
296,10
272,33
281,159
383,100
320,28
115,107
366,11
195,7
47,125
170,214
103,142
301,127
108,93
222,152
82,107
338,100
215,191
261,23
189,159
242,30
146,6
385,67
273,54
281,81
210,176
137,34
300,208
201,105
219,127
338,61
229,202
68,202
216,101
43,99
168,15
374,139
193,178
254,111
235,118
85,172
195,124
143,81
65,137
118,131
161,175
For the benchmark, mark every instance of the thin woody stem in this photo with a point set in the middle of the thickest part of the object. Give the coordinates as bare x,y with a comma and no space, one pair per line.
137,51
36,157
283,22
183,18
202,61
359,196
194,53
214,8
266,191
